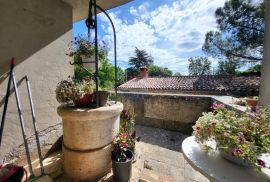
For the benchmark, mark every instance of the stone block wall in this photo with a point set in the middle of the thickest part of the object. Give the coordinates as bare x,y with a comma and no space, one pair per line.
167,111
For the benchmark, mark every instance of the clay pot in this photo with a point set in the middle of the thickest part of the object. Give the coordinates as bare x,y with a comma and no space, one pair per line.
103,97
251,102
84,101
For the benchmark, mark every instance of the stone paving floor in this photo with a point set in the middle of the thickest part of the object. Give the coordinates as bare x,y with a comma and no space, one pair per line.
159,159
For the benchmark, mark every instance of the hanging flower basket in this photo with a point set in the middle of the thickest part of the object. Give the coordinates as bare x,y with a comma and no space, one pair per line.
89,63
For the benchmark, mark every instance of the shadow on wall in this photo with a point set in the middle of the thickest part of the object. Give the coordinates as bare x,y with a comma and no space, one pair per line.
28,26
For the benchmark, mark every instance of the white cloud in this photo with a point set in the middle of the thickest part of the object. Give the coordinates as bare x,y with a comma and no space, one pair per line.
169,33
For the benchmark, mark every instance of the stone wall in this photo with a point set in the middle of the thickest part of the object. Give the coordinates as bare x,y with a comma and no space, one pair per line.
37,33
167,111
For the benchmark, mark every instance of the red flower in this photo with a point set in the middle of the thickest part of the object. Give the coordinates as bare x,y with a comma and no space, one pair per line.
124,135
124,145
236,152
217,106
261,162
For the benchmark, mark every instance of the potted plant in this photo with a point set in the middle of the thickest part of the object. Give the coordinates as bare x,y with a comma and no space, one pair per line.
103,96
83,51
76,91
252,101
127,124
122,157
241,138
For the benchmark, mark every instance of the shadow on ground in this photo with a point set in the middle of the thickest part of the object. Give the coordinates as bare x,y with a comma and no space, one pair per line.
167,139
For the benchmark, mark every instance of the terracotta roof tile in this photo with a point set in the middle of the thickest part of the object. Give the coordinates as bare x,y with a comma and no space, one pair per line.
211,83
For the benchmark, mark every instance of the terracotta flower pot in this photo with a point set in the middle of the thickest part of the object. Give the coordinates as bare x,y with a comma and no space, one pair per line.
84,101
251,102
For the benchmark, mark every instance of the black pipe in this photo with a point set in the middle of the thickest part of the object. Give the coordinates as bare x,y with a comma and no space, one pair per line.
115,55
12,64
96,53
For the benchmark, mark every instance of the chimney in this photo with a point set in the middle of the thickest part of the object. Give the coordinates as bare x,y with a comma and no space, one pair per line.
143,72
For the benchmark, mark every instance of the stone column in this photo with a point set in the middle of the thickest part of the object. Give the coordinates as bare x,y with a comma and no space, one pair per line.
265,76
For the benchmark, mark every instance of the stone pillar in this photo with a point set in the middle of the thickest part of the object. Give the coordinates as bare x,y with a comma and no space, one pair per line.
265,82
88,135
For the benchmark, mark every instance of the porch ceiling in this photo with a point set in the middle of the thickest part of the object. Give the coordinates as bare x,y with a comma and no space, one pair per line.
80,7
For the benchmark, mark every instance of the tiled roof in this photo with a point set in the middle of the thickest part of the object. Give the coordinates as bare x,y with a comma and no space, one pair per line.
207,83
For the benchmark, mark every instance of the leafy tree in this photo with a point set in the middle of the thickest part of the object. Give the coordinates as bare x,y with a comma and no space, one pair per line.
254,70
155,70
106,74
199,66
226,68
240,31
121,76
177,74
141,58
132,72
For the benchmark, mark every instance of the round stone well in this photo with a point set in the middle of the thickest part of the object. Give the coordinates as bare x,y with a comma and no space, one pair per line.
87,138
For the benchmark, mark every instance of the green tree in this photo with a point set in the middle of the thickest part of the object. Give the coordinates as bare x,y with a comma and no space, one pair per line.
240,32
199,66
141,58
253,70
106,74
155,70
226,68
177,74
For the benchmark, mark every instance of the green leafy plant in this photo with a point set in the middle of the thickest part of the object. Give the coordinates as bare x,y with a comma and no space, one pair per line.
246,135
126,138
83,47
127,124
71,89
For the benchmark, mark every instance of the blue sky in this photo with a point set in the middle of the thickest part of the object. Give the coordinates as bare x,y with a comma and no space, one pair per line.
171,31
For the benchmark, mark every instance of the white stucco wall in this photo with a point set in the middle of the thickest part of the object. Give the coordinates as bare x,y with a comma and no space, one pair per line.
265,83
37,33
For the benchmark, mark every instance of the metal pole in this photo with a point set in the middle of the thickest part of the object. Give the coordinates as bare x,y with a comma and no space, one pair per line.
115,55
34,123
6,99
22,124
96,52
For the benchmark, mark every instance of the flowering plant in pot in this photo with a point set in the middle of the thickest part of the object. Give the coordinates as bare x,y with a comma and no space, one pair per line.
122,157
124,147
241,138
83,50
127,123
79,92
